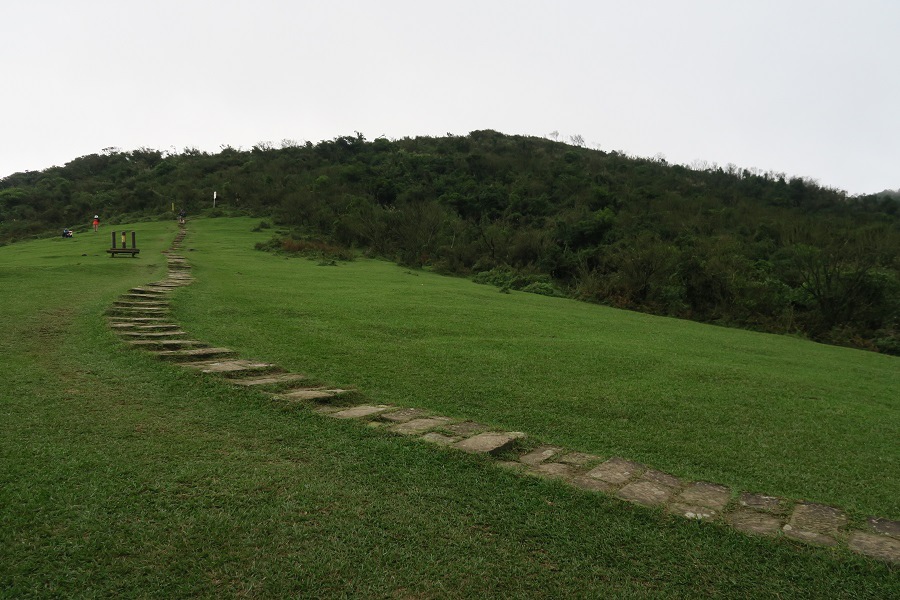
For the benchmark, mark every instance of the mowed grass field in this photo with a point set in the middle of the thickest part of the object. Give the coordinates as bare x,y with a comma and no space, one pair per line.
125,476
762,413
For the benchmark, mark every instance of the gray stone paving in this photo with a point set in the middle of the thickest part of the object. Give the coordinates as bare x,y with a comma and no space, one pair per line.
885,526
540,454
152,334
194,353
404,415
761,502
311,394
439,438
816,524
579,459
269,379
750,521
648,493
142,312
418,426
166,343
553,470
489,442
690,511
362,410
705,494
877,546
466,428
616,471
228,366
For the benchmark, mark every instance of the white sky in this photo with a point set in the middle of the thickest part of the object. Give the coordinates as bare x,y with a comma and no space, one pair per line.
807,87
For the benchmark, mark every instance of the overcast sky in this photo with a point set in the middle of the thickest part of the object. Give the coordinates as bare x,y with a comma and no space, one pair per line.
809,88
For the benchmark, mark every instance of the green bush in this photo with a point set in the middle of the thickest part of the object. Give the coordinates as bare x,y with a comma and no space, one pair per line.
507,279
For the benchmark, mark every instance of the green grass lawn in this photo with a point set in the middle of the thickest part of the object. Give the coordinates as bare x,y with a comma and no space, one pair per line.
125,476
762,413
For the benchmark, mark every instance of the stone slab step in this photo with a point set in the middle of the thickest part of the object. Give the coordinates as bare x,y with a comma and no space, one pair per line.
540,454
135,311
403,415
312,394
269,379
553,470
152,334
646,493
361,411
875,545
166,343
194,353
466,428
761,502
137,320
151,327
439,438
418,426
710,495
616,471
228,366
140,303
490,442
885,526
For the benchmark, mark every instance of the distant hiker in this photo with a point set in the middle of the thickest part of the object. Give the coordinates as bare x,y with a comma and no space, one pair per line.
181,215
96,222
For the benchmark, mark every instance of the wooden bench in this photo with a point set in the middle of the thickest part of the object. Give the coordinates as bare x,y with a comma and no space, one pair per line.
131,251
124,249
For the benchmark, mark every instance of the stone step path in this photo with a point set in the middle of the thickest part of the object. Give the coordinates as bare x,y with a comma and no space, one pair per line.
143,313
193,354
152,334
142,318
627,480
269,379
135,327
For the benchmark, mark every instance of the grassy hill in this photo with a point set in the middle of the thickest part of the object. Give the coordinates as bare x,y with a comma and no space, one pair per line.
763,412
719,244
122,475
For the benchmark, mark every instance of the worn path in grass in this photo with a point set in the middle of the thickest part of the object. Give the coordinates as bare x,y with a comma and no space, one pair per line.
142,317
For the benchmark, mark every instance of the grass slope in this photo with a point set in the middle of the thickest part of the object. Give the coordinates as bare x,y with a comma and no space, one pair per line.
761,412
124,476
